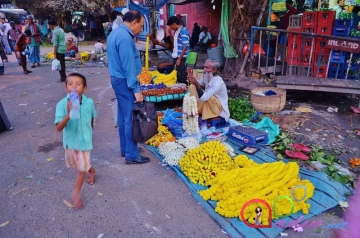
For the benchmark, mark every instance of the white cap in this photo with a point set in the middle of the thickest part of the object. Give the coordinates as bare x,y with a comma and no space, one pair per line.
124,11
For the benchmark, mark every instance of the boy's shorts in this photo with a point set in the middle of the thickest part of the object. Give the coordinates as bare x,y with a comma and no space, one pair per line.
78,159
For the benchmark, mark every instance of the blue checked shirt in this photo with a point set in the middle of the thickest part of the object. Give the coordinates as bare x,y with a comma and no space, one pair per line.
181,40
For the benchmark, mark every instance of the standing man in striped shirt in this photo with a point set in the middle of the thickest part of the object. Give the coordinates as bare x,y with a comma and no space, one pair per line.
181,48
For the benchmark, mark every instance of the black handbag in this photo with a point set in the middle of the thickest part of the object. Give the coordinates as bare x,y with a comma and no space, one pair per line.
145,121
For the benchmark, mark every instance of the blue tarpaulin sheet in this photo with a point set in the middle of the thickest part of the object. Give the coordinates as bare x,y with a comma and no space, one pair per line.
327,195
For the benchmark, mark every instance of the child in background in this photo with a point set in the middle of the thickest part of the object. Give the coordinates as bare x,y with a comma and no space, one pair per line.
77,133
99,47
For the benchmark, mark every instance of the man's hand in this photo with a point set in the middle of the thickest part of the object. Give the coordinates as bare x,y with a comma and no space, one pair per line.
139,97
178,61
192,80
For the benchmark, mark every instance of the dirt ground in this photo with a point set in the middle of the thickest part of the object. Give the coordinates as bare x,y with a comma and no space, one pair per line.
127,200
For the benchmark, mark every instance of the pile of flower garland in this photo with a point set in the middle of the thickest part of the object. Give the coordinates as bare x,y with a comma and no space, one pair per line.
163,135
203,163
190,115
250,180
174,151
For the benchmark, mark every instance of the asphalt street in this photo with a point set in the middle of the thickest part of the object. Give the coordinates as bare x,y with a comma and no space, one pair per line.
146,200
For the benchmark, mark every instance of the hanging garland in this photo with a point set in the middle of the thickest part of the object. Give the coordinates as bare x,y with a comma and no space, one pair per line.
190,115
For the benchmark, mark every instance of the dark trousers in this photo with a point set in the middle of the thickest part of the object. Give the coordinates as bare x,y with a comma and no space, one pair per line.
61,58
125,98
181,70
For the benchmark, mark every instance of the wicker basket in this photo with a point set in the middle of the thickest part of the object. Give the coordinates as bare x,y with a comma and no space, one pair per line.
268,104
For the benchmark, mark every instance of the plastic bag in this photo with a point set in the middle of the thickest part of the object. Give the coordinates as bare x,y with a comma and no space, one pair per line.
173,121
55,65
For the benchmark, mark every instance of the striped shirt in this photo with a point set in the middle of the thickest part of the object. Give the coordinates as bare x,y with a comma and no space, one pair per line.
181,40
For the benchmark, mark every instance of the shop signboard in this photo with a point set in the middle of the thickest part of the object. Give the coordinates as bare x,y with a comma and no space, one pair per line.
343,45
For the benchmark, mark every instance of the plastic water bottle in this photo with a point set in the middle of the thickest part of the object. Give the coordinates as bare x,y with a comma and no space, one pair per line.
75,109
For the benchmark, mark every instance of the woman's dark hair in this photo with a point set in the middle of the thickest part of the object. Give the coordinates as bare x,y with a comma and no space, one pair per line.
27,33
132,15
52,22
77,75
173,20
256,209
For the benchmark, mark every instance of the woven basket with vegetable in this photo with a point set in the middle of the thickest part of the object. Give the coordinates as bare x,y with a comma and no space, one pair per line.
268,104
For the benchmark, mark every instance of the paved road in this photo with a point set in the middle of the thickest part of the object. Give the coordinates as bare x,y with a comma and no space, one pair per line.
126,200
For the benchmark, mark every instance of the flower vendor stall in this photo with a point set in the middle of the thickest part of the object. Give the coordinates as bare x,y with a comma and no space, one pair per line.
241,191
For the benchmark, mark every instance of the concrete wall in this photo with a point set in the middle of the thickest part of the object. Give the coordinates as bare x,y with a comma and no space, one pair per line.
202,13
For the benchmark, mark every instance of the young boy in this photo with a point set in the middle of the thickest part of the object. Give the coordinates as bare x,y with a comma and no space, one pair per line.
77,133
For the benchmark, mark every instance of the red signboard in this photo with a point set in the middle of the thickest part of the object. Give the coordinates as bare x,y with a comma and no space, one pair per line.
343,45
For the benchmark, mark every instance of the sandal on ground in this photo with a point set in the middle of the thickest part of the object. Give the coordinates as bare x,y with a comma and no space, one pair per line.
300,147
26,72
296,155
33,66
355,109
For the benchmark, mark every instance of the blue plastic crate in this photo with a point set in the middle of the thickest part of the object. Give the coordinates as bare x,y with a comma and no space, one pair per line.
217,123
343,22
337,56
332,73
248,136
337,65
353,67
341,31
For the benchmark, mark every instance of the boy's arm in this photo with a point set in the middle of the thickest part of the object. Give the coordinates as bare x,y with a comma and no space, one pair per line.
60,126
92,123
62,123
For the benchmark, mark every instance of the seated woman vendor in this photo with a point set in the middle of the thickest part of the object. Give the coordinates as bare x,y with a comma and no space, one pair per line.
210,92
71,49
165,67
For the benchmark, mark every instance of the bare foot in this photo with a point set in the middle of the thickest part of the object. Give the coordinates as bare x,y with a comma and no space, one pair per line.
78,202
91,176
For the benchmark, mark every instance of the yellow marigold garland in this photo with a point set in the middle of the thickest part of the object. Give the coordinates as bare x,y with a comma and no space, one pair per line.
203,163
232,188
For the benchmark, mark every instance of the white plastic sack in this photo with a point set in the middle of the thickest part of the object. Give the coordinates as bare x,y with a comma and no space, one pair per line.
55,65
114,107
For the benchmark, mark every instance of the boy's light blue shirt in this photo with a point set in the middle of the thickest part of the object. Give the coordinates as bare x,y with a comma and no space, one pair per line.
123,57
77,134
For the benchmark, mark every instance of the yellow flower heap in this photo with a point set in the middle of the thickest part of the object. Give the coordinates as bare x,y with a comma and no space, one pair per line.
250,180
163,135
203,163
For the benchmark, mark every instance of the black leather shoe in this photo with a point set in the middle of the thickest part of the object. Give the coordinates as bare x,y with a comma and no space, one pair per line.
140,160
123,154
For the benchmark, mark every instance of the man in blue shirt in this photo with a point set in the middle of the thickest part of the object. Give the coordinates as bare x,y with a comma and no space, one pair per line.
124,66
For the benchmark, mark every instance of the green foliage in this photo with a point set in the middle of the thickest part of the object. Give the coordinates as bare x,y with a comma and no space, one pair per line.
241,109
282,143
330,160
